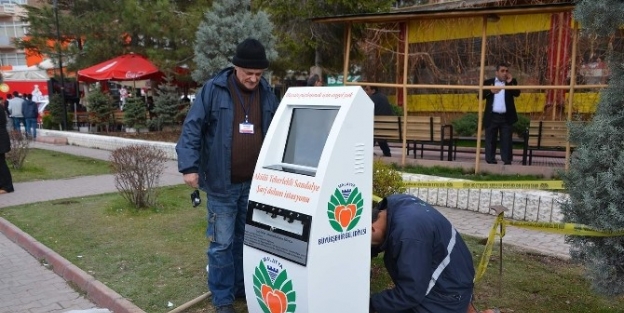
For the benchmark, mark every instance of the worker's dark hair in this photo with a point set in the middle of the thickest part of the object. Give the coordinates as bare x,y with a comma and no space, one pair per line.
501,64
378,208
375,214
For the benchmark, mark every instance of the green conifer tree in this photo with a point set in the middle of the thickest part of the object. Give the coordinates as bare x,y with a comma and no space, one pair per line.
56,109
166,102
595,180
228,23
101,105
135,113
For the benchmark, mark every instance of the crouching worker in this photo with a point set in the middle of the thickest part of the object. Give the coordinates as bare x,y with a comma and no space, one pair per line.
428,261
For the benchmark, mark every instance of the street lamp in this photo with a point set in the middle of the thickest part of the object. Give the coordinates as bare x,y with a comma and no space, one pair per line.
60,56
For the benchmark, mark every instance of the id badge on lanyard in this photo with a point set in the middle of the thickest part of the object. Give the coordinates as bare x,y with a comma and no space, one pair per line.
246,128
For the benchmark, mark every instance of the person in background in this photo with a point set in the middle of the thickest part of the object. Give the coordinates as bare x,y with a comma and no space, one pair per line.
8,113
30,112
428,261
314,81
150,107
6,181
217,152
15,108
382,108
123,95
500,115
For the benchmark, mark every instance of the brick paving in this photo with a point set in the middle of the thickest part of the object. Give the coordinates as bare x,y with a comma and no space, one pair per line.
27,286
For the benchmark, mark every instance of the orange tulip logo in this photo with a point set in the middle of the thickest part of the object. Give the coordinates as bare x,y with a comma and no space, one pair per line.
345,207
274,290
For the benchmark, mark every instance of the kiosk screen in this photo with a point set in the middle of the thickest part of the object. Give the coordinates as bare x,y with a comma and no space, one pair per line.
309,129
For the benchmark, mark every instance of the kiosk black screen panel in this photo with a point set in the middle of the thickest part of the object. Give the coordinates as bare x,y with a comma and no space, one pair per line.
309,129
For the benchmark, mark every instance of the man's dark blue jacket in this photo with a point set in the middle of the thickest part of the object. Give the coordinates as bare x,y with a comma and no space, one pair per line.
29,109
205,145
426,258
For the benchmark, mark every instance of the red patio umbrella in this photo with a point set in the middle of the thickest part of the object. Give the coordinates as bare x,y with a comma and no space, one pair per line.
122,68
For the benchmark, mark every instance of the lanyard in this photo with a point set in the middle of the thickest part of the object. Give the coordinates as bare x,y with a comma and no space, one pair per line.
240,98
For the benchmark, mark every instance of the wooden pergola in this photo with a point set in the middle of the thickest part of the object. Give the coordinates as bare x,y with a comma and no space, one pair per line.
559,11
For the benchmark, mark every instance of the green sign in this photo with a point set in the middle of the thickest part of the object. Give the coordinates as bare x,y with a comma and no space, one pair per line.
337,80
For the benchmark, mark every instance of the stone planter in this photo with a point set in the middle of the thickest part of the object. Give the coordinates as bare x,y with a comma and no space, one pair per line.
134,130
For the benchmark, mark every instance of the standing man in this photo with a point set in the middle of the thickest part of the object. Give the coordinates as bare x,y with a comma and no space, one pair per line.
500,114
123,95
15,108
428,261
382,107
217,152
30,112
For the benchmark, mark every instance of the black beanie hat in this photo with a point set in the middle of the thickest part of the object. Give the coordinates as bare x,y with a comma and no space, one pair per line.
250,54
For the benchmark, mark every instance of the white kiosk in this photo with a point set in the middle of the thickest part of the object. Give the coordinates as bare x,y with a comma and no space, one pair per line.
307,236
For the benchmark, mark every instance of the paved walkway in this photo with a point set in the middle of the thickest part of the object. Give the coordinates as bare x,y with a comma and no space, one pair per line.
27,286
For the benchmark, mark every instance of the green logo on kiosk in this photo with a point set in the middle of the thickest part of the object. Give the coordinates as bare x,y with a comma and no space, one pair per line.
345,207
273,288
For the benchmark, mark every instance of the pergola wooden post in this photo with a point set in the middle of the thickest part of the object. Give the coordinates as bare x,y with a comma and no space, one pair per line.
481,79
345,70
557,63
572,86
404,90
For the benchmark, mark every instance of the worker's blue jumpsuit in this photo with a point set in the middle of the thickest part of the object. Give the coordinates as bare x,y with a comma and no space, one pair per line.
428,261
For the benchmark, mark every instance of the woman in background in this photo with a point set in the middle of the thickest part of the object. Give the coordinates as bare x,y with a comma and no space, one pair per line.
6,182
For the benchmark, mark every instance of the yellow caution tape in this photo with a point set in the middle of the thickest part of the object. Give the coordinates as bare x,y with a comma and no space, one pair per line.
377,198
526,184
487,252
569,229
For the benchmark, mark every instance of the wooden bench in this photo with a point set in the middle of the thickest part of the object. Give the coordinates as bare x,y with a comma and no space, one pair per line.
428,130
118,120
82,119
388,128
545,136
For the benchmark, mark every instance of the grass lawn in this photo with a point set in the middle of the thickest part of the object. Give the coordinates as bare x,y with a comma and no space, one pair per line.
45,165
158,255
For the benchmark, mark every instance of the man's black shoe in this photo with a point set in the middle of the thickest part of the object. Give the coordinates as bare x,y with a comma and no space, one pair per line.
388,155
492,162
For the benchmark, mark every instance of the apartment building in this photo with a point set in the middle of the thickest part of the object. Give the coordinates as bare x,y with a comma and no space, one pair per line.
12,27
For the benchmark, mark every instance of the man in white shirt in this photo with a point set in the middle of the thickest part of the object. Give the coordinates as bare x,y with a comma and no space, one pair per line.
500,114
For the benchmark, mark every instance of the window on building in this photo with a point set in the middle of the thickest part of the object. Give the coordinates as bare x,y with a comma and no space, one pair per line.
13,1
13,59
13,29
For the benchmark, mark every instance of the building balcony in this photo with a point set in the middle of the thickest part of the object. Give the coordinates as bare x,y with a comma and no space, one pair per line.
8,9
